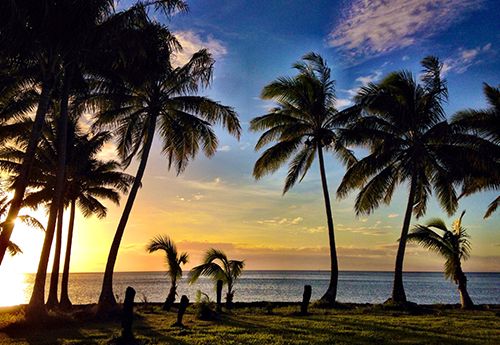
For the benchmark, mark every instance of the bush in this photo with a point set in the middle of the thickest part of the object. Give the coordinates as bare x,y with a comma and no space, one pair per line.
205,308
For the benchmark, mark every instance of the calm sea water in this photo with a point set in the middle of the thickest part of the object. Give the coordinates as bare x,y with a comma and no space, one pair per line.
356,287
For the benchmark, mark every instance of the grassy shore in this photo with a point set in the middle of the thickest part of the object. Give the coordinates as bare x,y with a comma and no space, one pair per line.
268,324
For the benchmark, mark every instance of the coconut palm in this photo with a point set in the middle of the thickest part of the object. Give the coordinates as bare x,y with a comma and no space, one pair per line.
485,125
153,96
403,125
304,123
228,271
174,262
41,39
453,245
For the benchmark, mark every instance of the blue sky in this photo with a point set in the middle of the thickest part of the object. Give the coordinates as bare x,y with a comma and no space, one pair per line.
217,203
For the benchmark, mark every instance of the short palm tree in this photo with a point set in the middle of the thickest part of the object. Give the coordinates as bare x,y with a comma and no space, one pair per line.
227,271
453,245
402,124
174,262
304,124
154,96
485,125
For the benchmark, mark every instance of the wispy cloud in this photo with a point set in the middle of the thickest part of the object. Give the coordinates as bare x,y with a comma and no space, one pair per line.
463,59
281,221
192,42
224,148
379,26
392,215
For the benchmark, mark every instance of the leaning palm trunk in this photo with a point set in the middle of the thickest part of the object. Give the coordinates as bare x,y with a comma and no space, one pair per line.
107,299
171,297
331,293
65,302
398,291
36,308
465,300
52,301
24,174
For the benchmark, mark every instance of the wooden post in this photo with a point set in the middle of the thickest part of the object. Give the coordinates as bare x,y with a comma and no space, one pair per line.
305,299
128,314
182,309
219,295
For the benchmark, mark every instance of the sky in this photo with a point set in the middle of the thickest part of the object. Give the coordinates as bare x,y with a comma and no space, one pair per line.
217,203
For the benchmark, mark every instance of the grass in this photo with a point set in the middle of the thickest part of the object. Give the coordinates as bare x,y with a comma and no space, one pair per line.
265,325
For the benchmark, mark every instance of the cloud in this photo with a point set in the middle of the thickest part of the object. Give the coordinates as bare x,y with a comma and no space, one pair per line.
343,102
379,26
281,221
224,148
362,81
392,215
463,59
191,42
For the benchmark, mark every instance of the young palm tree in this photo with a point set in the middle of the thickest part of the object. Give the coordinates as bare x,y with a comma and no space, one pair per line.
485,125
174,262
153,96
453,245
403,125
227,271
304,124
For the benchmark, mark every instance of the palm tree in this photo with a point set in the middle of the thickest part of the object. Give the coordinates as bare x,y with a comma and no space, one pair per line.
453,245
152,96
174,262
43,41
485,125
304,123
228,271
89,180
402,123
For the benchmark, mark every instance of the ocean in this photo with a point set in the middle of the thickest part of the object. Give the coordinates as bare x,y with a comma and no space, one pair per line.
286,286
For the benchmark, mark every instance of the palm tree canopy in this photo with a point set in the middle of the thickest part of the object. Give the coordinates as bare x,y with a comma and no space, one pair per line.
174,260
88,179
481,129
152,87
304,120
227,271
28,220
403,125
453,245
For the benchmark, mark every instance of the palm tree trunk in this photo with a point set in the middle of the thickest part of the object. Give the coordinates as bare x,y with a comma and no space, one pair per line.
465,300
171,297
36,307
331,293
65,301
52,301
107,299
24,175
398,291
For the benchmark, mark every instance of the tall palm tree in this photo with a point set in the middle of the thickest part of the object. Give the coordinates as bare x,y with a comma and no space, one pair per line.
43,41
402,123
485,125
304,123
228,271
453,245
89,181
153,96
174,261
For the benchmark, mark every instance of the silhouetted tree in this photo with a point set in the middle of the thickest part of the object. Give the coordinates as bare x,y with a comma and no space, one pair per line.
304,124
